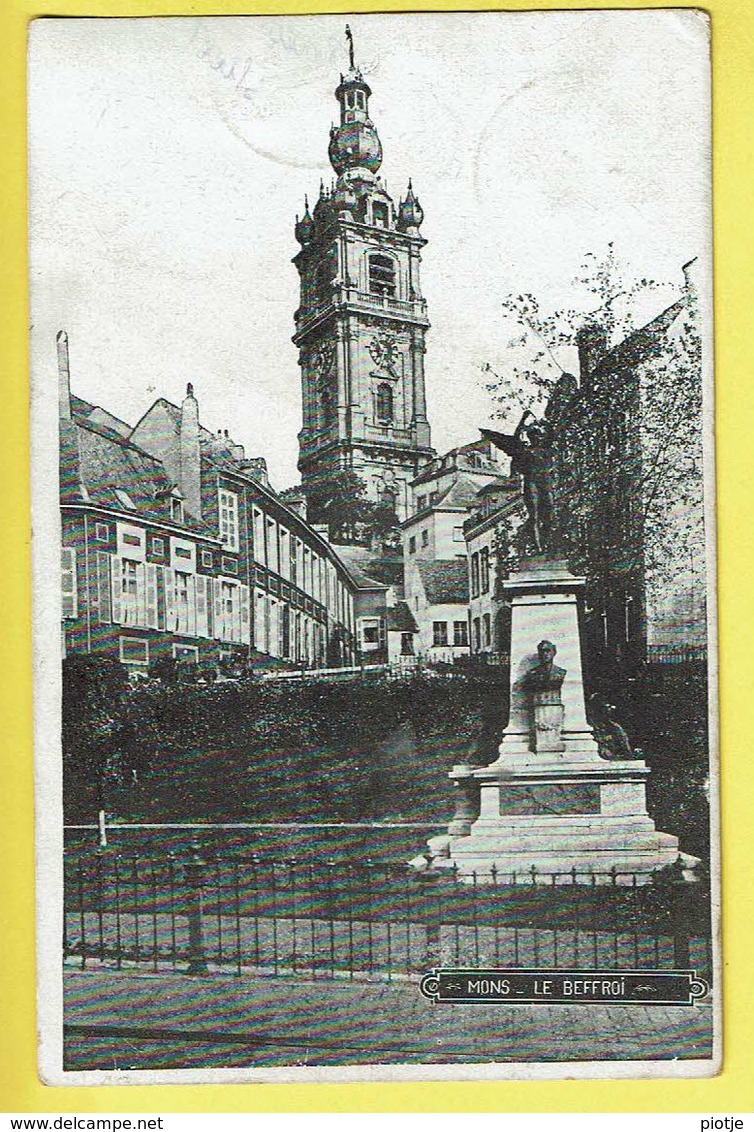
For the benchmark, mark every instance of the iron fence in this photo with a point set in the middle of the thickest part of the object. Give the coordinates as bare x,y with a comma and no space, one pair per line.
331,920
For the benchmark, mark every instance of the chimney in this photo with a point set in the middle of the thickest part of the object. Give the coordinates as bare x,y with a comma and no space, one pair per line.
64,376
591,341
190,457
296,500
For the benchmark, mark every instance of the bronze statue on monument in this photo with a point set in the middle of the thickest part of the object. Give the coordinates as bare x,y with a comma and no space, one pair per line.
532,451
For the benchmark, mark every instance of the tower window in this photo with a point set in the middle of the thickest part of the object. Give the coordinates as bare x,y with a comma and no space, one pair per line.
379,215
360,99
381,275
384,404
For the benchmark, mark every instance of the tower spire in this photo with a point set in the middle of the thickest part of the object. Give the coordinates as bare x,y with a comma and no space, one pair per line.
349,37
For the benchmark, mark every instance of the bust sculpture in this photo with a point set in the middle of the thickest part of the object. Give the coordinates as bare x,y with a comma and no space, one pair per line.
543,684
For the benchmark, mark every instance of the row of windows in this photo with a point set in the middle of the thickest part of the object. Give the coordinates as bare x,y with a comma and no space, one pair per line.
457,537
103,532
480,572
440,635
146,595
423,501
287,555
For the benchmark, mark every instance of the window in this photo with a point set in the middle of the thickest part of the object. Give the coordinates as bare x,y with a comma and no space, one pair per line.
439,632
457,534
425,537
360,99
433,496
68,575
129,592
133,650
176,510
379,214
412,545
102,532
371,633
272,546
487,627
184,603
260,553
189,653
477,626
475,575
407,644
384,404
158,547
421,502
207,559
294,560
230,628
381,275
484,569
460,634
228,503
230,566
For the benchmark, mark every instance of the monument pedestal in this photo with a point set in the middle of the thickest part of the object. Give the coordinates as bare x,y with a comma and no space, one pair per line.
550,804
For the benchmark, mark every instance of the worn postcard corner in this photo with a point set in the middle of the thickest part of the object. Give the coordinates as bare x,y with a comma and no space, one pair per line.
375,641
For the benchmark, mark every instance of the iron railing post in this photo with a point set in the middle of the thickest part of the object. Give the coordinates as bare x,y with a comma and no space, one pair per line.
196,957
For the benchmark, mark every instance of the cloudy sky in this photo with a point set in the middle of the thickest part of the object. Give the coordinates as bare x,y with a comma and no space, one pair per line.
168,159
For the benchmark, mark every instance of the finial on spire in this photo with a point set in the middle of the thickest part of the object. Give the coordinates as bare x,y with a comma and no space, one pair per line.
349,37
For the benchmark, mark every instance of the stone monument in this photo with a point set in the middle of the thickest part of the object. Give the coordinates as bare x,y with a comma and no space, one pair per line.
550,804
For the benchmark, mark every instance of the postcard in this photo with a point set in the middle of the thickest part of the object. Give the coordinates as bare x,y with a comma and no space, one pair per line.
374,528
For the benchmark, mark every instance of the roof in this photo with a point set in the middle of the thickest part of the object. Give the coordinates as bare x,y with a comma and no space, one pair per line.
400,619
641,343
219,447
97,463
446,582
357,561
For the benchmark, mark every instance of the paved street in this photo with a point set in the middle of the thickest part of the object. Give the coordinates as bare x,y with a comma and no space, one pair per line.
120,1020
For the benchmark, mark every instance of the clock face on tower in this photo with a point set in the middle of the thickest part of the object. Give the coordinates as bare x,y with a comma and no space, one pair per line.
385,353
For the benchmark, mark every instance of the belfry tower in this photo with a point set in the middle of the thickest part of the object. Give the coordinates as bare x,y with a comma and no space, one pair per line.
361,321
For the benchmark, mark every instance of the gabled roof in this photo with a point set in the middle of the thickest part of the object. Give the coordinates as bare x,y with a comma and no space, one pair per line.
400,619
218,448
97,463
446,581
641,343
357,562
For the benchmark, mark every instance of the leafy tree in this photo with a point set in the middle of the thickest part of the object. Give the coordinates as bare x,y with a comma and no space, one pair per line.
629,468
338,499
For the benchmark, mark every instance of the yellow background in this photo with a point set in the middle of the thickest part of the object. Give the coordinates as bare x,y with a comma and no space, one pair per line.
733,1089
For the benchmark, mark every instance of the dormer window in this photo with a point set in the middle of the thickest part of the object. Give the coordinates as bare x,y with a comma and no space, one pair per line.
125,499
176,510
379,215
381,275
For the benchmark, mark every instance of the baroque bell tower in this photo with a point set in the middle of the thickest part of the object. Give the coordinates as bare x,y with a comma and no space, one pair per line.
361,321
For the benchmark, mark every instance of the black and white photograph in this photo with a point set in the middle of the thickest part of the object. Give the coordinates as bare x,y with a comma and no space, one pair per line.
373,542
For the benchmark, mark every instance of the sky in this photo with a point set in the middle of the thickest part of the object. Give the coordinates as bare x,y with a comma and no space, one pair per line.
168,159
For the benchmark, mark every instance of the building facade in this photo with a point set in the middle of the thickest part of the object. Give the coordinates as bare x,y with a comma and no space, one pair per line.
437,596
490,534
175,545
630,471
362,320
